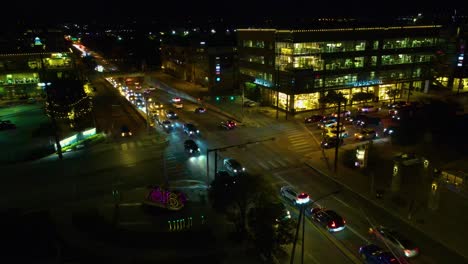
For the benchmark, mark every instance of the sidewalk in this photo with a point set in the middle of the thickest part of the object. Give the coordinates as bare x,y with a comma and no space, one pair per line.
433,223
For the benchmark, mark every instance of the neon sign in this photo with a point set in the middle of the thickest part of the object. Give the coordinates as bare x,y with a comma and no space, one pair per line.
365,83
172,200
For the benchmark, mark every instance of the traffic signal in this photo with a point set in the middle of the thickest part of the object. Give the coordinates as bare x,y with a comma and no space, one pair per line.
217,98
232,98
218,79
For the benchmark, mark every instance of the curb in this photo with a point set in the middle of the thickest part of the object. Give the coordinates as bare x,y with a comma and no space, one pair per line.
431,236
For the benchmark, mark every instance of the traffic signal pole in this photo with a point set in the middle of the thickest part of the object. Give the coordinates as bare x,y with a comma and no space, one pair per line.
215,150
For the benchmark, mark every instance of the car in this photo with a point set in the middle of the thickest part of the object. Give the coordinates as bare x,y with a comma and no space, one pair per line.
313,119
291,194
200,110
368,121
366,133
191,147
191,129
333,130
167,125
228,124
395,241
323,124
373,254
32,100
178,105
250,103
342,114
368,109
330,142
222,174
155,105
6,124
171,114
233,167
390,130
176,100
329,219
397,104
125,131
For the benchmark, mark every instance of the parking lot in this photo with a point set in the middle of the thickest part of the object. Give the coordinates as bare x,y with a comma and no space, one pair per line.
31,136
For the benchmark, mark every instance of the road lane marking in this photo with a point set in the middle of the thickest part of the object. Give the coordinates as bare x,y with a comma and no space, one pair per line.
282,163
262,165
124,146
273,164
357,234
342,202
312,258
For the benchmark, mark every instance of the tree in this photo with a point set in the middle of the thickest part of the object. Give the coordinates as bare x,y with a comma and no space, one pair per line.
234,196
362,96
393,93
270,226
331,97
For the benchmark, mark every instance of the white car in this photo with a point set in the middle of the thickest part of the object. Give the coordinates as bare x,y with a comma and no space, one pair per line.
290,194
326,124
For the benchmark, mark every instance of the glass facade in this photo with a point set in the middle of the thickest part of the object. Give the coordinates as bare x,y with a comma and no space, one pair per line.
254,59
308,62
340,80
402,43
254,44
262,78
348,63
404,59
307,101
304,48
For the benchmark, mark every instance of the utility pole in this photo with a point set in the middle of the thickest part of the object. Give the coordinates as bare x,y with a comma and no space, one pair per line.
277,91
304,200
215,150
338,137
242,101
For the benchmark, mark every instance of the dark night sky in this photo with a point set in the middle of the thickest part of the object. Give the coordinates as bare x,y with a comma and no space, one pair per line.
238,11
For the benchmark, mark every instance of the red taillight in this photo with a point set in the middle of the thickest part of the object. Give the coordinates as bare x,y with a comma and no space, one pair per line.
333,225
344,221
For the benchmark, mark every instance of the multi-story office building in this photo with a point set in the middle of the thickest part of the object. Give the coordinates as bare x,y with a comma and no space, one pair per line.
31,57
203,59
451,64
300,66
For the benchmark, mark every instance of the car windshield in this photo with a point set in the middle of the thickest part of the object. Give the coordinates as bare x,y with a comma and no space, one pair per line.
234,163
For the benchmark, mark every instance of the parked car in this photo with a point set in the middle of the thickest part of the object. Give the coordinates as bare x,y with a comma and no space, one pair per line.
331,142
191,147
366,133
125,131
233,167
373,254
368,109
395,241
329,219
313,119
191,129
228,124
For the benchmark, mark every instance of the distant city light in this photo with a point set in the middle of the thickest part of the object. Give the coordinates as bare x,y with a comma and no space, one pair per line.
213,31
